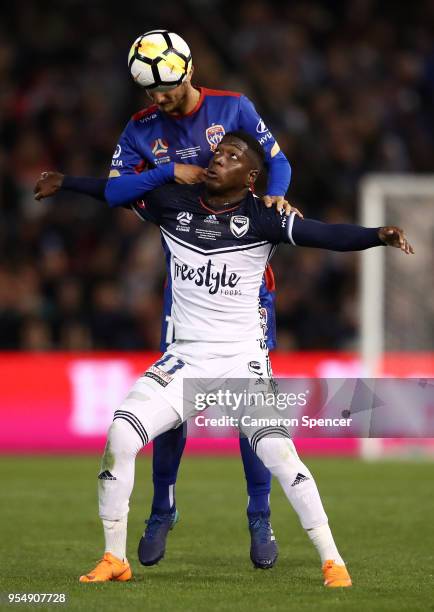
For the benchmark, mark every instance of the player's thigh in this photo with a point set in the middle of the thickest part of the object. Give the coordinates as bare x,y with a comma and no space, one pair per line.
165,383
152,404
147,411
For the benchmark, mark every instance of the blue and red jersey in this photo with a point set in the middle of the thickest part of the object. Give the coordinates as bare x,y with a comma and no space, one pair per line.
152,138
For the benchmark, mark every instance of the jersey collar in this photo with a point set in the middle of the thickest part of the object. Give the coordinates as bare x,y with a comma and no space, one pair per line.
204,205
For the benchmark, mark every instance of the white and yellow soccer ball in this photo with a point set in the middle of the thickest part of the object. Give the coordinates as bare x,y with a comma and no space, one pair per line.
159,60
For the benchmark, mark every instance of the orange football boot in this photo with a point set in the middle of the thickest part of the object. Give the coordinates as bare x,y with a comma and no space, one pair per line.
335,575
109,568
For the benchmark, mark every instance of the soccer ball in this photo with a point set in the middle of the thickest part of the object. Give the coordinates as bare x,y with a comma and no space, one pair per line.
159,60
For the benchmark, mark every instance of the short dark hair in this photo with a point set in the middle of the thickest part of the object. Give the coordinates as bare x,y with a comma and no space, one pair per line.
252,143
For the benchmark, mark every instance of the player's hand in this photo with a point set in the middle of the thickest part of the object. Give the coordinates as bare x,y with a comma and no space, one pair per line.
394,236
281,204
188,174
48,184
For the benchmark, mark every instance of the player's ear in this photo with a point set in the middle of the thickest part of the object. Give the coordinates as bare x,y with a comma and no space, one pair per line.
189,75
253,175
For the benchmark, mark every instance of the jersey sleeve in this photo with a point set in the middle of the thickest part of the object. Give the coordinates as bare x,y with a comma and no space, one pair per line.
278,228
127,183
128,188
268,224
279,169
126,156
87,185
330,236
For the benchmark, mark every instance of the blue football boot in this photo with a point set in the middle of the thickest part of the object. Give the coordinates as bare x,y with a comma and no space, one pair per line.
263,547
152,545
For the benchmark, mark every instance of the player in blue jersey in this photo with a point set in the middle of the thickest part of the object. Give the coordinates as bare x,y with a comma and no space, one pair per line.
216,276
182,129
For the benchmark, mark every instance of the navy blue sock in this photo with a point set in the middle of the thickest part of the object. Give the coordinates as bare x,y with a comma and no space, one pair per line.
167,453
258,480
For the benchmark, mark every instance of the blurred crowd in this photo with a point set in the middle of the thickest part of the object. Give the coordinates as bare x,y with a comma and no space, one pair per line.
346,86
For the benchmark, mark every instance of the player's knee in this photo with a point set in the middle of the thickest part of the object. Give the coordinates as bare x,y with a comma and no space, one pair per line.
278,453
123,439
147,413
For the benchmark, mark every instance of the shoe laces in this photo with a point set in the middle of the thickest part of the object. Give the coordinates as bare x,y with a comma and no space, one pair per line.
333,570
109,560
101,562
261,528
154,523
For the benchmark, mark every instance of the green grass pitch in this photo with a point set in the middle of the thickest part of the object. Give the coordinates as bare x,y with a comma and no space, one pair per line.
381,515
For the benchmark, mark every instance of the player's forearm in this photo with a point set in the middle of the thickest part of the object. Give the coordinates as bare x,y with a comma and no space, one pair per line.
131,187
279,175
333,237
94,187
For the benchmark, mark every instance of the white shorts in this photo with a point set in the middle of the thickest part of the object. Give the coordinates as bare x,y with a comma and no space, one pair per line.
187,368
209,363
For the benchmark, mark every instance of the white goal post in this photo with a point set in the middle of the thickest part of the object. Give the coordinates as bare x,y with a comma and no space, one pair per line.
397,293
389,283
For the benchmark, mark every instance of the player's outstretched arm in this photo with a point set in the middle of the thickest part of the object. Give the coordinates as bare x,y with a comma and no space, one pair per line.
344,237
127,188
49,183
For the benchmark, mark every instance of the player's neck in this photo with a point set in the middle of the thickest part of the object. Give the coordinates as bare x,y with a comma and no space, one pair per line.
221,201
190,101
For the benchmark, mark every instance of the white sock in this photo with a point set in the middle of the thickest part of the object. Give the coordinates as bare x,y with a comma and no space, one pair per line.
322,539
134,423
115,534
116,479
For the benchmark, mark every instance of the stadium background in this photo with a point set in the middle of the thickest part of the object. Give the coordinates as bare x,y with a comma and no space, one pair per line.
347,88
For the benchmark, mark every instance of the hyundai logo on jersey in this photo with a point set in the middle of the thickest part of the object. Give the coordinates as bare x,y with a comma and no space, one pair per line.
115,161
261,128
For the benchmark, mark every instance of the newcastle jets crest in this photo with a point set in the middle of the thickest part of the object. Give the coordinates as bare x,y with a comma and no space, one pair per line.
239,225
214,133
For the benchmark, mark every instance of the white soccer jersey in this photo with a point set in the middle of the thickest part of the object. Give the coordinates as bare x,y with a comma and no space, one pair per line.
216,261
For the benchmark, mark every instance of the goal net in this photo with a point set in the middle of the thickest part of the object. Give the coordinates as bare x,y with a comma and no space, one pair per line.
397,292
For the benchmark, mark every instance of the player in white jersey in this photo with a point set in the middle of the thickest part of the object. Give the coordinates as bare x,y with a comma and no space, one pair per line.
217,270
